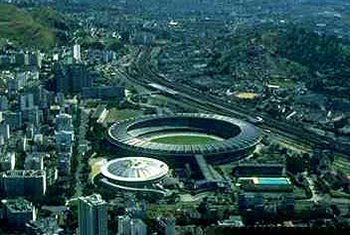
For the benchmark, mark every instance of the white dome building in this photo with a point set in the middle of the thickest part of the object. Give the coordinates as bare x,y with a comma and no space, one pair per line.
134,171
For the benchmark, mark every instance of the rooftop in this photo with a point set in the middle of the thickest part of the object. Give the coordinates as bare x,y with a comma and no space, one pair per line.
94,200
135,169
23,173
7,157
18,205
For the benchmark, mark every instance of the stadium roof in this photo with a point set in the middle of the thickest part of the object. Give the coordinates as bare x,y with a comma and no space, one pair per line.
236,134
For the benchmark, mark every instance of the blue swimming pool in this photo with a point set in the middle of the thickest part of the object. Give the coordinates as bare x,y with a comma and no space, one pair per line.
273,181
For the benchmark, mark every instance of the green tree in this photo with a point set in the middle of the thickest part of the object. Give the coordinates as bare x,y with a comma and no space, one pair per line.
295,164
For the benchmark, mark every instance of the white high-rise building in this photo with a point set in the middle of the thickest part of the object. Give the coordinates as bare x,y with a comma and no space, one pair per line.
76,52
92,215
5,130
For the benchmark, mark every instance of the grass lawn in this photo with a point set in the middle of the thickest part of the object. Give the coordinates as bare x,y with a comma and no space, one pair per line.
282,82
184,139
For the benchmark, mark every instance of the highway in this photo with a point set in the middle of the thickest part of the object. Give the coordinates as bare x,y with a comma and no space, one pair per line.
139,71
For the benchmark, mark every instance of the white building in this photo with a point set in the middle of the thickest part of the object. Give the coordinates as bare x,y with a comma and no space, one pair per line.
76,52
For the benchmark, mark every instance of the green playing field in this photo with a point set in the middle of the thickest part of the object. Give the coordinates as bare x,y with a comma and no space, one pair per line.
184,139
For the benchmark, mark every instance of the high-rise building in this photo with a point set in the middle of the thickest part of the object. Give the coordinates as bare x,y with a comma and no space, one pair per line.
7,161
23,182
34,59
92,215
76,52
61,78
34,161
14,119
129,226
79,77
17,212
5,130
41,96
64,122
64,163
3,103
71,77
33,116
166,226
64,138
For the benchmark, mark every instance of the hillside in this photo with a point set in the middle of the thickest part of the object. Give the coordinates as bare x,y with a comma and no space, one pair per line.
298,54
23,30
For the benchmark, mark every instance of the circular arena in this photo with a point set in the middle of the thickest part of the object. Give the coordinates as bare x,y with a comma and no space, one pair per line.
219,139
134,171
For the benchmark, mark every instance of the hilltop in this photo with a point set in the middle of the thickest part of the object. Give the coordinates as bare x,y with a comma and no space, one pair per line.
21,28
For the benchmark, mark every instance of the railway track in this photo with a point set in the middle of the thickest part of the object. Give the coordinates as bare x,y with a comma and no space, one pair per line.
140,72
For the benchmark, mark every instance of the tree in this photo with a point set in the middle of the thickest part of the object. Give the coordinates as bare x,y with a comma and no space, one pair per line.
295,164
335,210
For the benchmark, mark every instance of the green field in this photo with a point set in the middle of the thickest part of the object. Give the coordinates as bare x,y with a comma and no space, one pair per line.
184,140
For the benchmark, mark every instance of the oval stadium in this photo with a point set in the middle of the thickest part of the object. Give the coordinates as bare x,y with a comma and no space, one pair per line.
176,138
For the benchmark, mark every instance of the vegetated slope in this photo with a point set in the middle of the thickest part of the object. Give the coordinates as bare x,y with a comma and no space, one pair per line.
299,54
58,23
22,29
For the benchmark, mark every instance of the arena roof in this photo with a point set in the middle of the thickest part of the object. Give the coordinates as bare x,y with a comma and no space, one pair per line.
135,169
